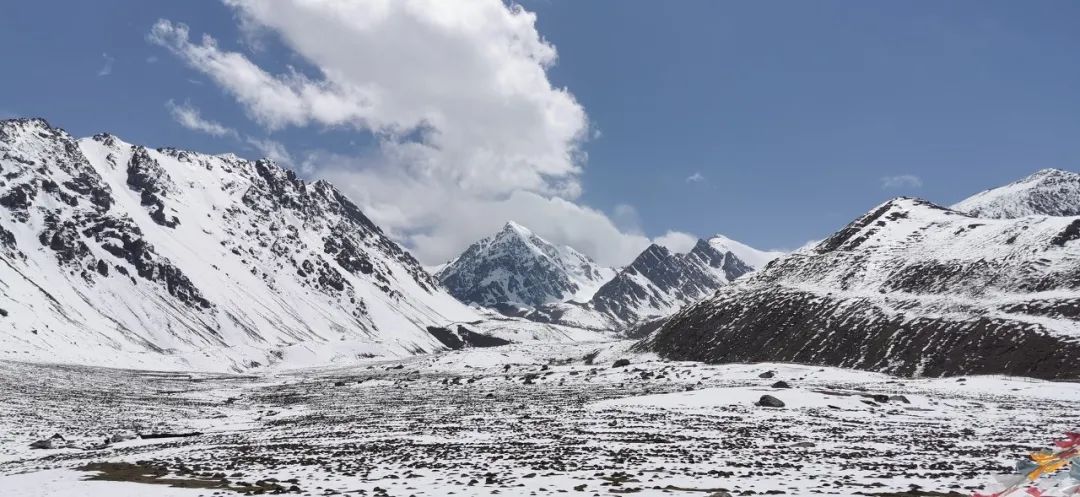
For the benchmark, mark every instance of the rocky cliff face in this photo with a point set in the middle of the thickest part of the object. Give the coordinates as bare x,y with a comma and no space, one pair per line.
910,288
117,254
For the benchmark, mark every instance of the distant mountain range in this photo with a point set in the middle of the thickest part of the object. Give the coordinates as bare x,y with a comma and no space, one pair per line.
116,254
912,288
520,274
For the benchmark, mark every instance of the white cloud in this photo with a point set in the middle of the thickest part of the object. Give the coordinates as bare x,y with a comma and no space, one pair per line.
697,177
677,241
188,117
106,68
471,132
901,181
626,217
272,150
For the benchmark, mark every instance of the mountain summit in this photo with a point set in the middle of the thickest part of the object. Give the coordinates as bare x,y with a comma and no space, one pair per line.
1048,192
516,266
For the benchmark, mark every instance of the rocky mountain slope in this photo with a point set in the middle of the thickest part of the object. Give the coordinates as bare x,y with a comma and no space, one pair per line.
116,254
656,284
1050,192
910,288
516,266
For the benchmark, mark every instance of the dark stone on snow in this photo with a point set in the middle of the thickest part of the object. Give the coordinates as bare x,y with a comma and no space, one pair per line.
464,338
621,363
769,401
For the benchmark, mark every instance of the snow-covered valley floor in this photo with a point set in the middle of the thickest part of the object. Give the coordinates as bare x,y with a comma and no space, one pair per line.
518,420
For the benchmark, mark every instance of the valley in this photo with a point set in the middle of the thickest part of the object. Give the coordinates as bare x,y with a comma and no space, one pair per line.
537,419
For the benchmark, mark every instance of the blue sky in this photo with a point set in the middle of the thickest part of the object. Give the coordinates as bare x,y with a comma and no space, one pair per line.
771,122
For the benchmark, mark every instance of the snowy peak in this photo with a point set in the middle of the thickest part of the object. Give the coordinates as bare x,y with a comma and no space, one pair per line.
114,252
516,266
753,257
659,282
889,219
1048,192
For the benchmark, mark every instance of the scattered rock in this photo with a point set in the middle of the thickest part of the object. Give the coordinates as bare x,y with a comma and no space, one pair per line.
899,398
781,384
52,442
767,374
621,363
122,436
769,401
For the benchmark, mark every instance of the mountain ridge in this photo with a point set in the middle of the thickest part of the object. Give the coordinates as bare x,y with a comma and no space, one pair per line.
1050,192
992,295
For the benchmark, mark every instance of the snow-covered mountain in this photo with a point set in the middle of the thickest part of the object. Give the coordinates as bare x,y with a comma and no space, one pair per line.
116,254
753,257
1050,192
516,266
656,284
909,288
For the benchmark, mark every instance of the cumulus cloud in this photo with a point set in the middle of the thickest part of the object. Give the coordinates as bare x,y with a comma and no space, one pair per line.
677,241
901,181
697,177
189,117
470,130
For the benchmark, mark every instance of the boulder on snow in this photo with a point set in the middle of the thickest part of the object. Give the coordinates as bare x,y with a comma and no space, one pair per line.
52,442
122,436
781,384
769,401
767,374
621,363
